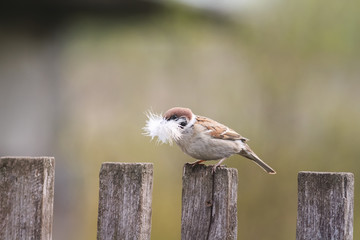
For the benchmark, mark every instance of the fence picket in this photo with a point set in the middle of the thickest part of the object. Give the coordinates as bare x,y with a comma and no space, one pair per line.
209,203
26,197
125,201
325,206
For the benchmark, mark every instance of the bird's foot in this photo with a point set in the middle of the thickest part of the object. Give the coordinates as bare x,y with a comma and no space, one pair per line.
193,164
213,170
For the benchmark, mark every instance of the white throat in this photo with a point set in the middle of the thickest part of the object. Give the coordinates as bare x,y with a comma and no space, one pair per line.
191,122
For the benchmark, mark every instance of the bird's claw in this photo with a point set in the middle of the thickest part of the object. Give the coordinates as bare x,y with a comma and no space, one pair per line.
193,164
213,170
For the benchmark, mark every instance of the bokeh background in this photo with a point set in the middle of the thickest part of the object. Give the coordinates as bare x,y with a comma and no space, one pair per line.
77,77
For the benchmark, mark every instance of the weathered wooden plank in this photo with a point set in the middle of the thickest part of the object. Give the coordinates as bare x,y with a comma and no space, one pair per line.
26,197
125,198
209,209
325,206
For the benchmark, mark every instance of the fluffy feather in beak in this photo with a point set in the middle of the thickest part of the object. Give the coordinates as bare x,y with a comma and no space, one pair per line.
158,126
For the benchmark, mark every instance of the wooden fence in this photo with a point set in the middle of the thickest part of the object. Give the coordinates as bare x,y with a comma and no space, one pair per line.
325,202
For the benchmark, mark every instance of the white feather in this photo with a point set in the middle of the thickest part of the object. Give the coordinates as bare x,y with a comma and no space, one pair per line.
165,131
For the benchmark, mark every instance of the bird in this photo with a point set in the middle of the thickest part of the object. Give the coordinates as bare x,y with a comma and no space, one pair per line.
200,137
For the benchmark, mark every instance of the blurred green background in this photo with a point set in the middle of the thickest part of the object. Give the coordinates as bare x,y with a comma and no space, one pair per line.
76,80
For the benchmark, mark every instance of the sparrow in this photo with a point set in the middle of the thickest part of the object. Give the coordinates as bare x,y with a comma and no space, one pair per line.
200,137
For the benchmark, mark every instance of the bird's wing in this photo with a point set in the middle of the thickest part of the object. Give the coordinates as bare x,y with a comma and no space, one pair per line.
218,130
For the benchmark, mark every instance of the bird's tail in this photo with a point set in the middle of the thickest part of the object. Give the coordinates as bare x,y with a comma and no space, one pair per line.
248,153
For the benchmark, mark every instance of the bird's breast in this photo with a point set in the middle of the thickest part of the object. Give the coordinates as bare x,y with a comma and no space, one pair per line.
204,147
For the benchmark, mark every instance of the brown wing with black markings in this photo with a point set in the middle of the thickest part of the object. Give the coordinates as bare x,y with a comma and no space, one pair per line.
218,130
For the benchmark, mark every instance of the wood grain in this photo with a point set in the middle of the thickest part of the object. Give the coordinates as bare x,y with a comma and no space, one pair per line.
125,198
325,206
26,197
209,209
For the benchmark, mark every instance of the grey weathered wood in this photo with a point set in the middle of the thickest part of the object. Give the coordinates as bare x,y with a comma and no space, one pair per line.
209,203
325,206
26,197
125,198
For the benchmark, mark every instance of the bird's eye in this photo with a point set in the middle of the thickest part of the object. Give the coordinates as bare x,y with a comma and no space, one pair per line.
173,117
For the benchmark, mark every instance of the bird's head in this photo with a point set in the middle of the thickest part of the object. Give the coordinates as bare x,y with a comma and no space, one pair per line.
182,116
169,126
